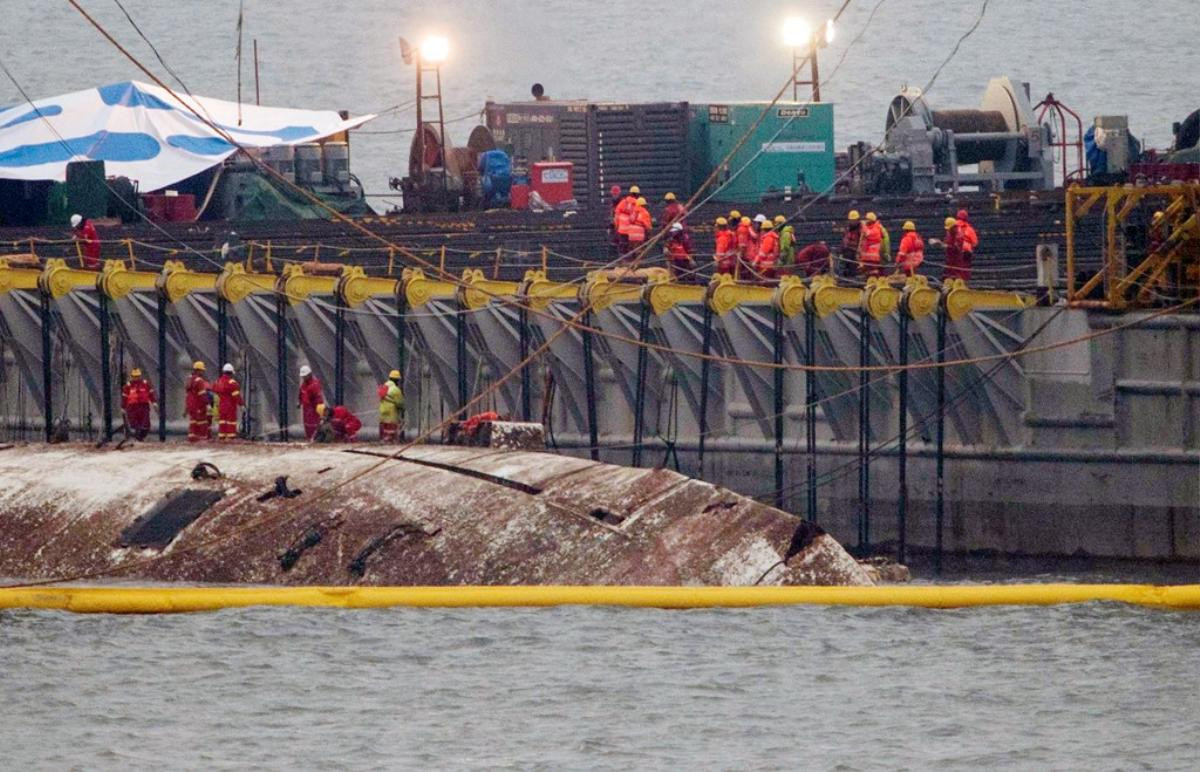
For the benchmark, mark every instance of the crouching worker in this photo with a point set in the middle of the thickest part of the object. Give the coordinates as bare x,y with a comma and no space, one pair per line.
337,425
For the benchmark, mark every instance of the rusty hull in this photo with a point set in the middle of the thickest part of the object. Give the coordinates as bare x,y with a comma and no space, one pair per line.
438,516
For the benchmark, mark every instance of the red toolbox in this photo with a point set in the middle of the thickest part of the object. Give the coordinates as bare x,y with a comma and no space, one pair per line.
554,181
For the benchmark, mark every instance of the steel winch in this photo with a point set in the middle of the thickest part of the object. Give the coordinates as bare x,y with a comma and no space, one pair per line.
925,149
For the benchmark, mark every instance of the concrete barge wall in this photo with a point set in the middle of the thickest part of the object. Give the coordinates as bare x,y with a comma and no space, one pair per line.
1090,445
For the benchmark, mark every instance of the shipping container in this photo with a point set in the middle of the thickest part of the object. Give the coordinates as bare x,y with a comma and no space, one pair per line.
608,143
790,152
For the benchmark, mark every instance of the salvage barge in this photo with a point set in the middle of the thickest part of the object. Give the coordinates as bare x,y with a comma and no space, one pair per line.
300,515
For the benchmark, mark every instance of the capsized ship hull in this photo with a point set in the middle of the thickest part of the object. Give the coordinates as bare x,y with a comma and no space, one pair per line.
350,515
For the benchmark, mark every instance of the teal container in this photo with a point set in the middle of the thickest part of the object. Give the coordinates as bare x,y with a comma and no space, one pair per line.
790,151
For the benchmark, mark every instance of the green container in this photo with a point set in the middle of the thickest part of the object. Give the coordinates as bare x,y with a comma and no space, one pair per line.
790,151
87,191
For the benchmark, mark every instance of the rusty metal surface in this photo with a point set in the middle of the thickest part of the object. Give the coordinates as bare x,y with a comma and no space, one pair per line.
563,520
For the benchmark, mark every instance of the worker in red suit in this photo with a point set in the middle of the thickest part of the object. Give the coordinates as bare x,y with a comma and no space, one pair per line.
912,250
229,401
850,244
724,247
768,250
678,248
747,245
311,396
89,241
813,259
956,267
673,212
136,398
345,424
870,247
615,200
198,405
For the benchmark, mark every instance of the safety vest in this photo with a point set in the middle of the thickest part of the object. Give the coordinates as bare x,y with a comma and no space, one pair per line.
726,244
912,251
787,245
137,393
768,250
198,399
624,214
870,243
639,225
391,402
970,239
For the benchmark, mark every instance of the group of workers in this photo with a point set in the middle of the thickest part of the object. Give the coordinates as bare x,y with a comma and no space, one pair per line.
222,400
762,248
866,246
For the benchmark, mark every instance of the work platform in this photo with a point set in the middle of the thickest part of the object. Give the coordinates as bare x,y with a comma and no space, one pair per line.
827,400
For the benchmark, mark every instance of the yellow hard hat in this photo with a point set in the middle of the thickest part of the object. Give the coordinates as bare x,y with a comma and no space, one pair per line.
951,222
745,221
909,225
321,409
634,190
641,202
394,375
135,373
853,216
669,197
198,366
735,214
722,221
871,217
1158,216
768,225
780,219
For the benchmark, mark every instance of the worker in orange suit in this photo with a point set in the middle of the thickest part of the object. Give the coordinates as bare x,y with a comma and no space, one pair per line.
136,398
623,214
724,247
673,212
768,251
311,397
229,401
912,250
198,404
640,226
870,246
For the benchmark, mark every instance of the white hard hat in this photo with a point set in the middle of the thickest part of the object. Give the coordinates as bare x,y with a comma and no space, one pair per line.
676,227
305,370
760,218
228,368
75,220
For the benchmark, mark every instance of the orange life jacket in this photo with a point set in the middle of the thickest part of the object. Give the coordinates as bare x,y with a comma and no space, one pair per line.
870,243
970,239
768,250
912,251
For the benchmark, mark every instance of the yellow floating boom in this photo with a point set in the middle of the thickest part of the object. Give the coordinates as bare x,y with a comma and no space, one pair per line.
161,600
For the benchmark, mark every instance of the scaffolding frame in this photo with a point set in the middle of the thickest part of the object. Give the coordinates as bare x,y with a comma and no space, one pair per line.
1131,278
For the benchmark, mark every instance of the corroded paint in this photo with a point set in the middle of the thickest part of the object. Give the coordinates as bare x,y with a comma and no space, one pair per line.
528,518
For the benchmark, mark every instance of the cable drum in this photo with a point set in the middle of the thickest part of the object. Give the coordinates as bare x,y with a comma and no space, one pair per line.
966,122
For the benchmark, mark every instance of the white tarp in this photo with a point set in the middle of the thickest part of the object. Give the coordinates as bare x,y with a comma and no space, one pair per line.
140,131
